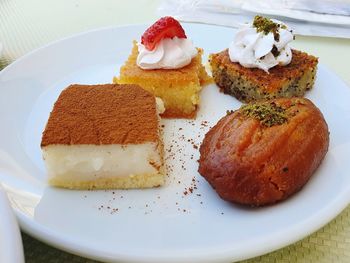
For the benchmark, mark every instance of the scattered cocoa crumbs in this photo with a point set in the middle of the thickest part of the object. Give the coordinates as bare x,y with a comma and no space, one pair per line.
114,210
179,160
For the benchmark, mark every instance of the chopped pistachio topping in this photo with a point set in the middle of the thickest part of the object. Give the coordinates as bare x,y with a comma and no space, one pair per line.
266,25
268,113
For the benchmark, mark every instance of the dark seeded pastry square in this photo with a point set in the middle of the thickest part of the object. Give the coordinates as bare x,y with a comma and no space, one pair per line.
250,84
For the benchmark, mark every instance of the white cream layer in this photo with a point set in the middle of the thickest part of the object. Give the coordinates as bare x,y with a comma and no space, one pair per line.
88,162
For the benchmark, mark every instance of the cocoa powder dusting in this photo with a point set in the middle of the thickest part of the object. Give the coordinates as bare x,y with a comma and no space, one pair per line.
102,114
177,154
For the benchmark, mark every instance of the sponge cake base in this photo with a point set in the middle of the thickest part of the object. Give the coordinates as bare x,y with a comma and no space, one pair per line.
120,182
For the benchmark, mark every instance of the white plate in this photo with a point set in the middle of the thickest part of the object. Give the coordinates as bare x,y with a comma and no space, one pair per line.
161,224
11,250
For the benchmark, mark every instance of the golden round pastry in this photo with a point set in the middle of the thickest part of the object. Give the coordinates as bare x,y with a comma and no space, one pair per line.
265,151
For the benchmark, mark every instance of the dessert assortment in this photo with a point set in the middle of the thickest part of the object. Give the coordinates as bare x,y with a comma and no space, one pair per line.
108,136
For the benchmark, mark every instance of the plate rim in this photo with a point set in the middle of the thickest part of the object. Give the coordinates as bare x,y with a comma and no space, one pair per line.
316,222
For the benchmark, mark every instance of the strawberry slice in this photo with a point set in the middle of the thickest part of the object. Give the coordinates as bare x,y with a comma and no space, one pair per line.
165,27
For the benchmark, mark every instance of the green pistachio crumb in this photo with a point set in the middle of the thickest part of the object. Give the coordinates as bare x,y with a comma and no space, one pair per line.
268,113
275,51
266,25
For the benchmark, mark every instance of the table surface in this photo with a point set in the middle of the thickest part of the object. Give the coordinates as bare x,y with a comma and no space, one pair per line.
29,24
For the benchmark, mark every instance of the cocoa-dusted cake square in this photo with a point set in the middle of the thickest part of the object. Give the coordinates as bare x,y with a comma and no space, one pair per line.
103,136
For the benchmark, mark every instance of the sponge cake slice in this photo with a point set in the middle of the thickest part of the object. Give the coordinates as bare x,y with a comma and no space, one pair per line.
104,136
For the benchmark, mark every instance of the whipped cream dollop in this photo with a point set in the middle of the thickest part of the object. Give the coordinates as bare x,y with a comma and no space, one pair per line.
170,53
256,48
